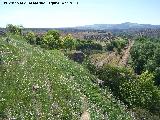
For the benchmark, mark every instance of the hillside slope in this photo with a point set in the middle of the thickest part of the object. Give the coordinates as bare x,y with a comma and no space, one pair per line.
40,84
126,25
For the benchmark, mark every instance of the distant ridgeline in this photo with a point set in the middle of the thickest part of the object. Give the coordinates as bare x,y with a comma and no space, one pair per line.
89,34
97,34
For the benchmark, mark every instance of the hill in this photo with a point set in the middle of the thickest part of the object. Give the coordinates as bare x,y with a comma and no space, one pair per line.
41,84
126,25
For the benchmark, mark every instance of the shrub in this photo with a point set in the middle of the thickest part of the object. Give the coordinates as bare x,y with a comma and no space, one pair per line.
14,29
133,91
88,45
69,42
54,33
141,53
157,76
114,77
31,37
117,44
39,40
145,55
109,47
52,40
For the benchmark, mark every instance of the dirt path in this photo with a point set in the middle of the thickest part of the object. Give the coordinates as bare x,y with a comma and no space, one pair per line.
114,58
124,60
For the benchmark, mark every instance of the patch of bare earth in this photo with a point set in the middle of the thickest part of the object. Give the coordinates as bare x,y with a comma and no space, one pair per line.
125,57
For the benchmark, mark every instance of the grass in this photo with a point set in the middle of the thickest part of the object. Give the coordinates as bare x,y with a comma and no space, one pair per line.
40,84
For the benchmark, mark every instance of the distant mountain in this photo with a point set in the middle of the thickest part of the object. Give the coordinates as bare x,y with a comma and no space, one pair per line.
126,25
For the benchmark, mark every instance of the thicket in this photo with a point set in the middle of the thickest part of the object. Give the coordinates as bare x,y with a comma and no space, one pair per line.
145,55
88,45
53,40
14,29
116,45
134,91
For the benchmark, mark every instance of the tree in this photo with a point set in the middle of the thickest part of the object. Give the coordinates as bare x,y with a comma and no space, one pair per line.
149,95
55,34
109,47
157,55
39,39
14,29
69,42
117,44
31,37
157,76
88,46
141,52
52,39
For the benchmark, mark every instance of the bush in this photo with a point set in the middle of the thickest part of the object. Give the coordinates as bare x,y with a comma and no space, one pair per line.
157,76
109,47
141,53
141,92
117,44
14,29
133,91
88,45
31,37
114,77
52,40
69,42
145,55
54,33
39,40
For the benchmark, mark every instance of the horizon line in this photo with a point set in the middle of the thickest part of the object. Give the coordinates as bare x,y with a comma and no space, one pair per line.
89,25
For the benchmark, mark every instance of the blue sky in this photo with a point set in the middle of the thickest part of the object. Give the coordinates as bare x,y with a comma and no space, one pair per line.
87,12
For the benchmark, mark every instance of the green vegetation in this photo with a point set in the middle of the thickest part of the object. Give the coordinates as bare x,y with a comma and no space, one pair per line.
37,80
145,55
135,92
31,37
43,84
88,45
116,45
52,39
69,42
14,29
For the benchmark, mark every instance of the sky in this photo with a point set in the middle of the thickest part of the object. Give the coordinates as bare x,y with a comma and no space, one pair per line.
86,12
